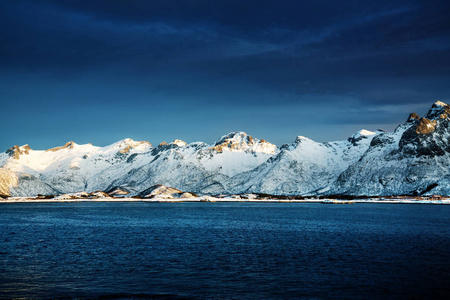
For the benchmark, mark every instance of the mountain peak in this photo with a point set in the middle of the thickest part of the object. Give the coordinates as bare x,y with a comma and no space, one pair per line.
360,135
130,142
127,144
15,151
301,138
234,141
412,116
68,145
363,132
440,103
176,142
164,146
298,140
179,143
439,109
235,136
239,141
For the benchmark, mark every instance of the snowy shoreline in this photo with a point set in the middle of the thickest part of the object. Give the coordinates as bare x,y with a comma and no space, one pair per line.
213,199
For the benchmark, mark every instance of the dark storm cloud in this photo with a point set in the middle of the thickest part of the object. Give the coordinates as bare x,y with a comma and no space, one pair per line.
64,33
356,56
237,14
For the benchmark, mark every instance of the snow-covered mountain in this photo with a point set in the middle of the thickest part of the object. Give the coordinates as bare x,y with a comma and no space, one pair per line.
132,165
72,167
198,167
414,159
304,166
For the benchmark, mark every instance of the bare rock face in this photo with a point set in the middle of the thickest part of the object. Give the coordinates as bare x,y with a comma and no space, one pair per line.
233,141
164,146
129,144
439,109
240,141
412,160
425,126
15,151
413,116
125,150
68,145
427,136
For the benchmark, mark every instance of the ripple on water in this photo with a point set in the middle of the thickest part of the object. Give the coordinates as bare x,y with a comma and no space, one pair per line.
232,250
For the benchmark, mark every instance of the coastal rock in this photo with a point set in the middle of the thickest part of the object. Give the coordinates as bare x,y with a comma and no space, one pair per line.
117,191
161,191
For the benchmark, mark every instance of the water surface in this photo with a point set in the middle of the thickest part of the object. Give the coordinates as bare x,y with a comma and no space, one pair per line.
224,250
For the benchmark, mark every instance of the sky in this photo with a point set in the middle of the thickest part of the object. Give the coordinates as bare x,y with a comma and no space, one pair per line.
98,71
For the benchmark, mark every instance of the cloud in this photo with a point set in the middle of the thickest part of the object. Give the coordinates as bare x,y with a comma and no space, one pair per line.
270,56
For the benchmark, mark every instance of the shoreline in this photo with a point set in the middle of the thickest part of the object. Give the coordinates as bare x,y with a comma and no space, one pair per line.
444,201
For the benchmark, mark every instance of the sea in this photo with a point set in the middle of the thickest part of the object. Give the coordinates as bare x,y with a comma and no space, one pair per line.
141,250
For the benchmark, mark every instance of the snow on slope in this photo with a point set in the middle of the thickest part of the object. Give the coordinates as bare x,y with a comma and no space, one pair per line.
303,166
414,159
137,165
241,142
235,153
170,165
17,185
8,180
69,168
198,167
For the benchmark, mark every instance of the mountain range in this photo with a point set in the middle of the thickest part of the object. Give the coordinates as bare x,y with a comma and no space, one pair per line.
411,160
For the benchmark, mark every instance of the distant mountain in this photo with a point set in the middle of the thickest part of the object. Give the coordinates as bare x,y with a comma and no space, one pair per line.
413,160
197,167
304,166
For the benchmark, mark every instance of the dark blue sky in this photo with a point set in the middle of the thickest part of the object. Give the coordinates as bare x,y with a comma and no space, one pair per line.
102,70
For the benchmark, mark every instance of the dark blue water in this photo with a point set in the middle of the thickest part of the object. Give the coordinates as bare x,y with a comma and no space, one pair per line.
224,250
